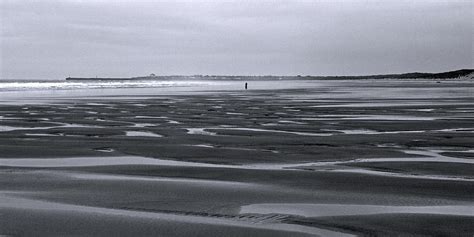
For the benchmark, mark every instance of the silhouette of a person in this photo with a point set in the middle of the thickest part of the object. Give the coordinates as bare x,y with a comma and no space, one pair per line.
246,85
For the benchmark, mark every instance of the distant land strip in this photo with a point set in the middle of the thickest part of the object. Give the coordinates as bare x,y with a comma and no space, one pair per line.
462,73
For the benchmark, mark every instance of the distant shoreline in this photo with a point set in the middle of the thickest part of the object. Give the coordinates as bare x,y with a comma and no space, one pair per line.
468,73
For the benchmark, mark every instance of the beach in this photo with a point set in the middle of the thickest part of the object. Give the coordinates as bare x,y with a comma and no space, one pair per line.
283,158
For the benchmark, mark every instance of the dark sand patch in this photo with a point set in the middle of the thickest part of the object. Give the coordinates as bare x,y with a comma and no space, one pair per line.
464,155
394,224
59,223
427,168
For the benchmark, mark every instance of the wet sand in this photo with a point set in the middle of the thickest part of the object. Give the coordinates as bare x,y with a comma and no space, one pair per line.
285,162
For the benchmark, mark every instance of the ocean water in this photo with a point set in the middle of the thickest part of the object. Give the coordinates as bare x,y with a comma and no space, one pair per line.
39,91
27,85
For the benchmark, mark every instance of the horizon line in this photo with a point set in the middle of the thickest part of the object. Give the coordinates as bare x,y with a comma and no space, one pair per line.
258,75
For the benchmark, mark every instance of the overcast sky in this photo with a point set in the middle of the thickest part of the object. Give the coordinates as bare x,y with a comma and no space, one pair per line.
53,39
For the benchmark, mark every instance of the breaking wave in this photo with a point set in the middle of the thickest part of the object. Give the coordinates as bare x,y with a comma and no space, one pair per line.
69,85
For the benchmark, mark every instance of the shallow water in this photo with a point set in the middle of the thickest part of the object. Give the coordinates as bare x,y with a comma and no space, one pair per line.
203,131
322,166
94,161
4,128
34,92
372,117
142,125
274,131
129,160
132,178
142,134
200,131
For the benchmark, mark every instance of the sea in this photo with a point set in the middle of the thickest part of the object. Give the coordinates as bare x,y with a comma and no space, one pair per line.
41,91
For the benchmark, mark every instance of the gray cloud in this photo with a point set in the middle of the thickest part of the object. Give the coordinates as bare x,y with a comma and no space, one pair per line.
54,39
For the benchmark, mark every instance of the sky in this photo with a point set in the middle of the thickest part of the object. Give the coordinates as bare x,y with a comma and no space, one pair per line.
53,39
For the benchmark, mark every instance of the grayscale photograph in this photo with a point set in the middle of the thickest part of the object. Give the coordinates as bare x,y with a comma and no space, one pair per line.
236,118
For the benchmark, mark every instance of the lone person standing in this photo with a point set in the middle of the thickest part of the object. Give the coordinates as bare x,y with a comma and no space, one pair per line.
246,85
